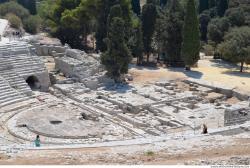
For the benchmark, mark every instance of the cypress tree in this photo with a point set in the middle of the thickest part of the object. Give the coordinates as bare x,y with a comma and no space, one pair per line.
115,11
203,5
103,7
222,6
117,57
136,7
191,39
204,19
139,44
149,14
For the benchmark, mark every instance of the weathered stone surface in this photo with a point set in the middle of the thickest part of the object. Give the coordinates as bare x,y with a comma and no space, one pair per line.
169,87
92,84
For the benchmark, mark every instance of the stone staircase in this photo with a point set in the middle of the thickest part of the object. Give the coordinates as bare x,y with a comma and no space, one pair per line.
9,95
18,55
16,65
24,65
15,81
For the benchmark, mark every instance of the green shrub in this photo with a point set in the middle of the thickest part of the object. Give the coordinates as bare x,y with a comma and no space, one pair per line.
15,8
32,24
14,20
149,153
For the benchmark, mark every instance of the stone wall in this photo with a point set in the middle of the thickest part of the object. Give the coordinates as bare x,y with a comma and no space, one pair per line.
235,116
49,50
226,90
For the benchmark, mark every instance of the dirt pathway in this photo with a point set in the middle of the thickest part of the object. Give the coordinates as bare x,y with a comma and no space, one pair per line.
236,151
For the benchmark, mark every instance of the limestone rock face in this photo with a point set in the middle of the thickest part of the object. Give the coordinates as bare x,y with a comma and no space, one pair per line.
84,67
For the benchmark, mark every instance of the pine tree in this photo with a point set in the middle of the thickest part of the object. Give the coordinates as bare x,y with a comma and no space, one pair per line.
136,7
203,5
149,14
117,57
222,6
191,39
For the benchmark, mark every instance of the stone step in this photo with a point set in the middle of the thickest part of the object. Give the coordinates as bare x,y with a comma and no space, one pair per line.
9,94
10,98
18,82
8,73
26,91
14,79
21,63
23,89
3,86
18,70
7,91
30,71
19,57
12,101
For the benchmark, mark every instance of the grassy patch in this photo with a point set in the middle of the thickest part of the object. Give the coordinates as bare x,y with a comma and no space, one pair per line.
149,153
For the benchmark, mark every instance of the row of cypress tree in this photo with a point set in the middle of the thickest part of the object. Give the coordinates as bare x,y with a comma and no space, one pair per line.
117,55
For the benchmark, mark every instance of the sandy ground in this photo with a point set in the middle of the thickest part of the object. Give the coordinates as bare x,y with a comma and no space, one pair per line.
208,69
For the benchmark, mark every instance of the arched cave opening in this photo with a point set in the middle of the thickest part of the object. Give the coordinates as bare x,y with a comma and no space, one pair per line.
33,82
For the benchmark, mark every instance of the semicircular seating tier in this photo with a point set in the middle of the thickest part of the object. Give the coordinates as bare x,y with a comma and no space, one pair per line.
17,64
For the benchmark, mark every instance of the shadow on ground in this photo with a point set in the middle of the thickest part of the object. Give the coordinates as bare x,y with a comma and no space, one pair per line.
224,64
118,88
144,67
191,74
237,73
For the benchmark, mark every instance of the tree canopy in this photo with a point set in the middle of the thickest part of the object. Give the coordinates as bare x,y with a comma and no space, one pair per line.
236,47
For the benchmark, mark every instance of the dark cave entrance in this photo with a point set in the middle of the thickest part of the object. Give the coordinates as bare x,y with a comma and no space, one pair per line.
33,82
